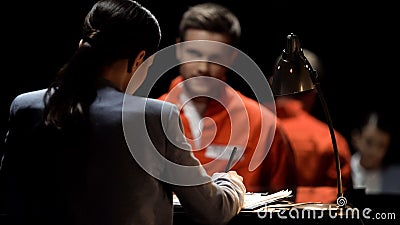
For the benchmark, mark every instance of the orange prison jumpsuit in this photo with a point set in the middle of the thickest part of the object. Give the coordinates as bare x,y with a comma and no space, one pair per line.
264,158
312,144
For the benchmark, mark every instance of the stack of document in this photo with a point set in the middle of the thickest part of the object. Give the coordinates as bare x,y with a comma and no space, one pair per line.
255,200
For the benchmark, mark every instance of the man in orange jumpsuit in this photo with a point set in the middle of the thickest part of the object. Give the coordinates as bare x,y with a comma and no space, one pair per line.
217,118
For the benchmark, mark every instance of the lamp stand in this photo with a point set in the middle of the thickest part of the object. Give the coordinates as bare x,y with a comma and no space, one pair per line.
315,80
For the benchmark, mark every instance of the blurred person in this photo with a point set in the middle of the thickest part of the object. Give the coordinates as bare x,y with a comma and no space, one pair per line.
83,151
370,163
216,118
312,144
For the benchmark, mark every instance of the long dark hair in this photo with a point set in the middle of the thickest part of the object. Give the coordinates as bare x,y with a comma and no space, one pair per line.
112,30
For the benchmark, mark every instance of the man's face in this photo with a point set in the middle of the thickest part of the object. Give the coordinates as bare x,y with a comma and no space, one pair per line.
204,57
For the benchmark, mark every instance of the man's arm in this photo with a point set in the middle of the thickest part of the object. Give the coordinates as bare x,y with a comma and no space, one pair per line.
279,167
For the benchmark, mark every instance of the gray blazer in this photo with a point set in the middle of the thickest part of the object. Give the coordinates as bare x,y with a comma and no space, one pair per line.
123,171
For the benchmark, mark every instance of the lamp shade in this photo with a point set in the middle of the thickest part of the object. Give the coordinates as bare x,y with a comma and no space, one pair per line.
292,72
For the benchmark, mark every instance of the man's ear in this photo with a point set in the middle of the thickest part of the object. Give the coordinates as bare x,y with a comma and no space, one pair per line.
233,56
178,49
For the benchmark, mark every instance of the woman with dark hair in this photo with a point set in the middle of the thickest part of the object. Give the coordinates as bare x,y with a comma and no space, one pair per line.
84,151
372,140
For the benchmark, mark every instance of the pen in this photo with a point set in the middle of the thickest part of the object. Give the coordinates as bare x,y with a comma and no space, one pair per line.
228,166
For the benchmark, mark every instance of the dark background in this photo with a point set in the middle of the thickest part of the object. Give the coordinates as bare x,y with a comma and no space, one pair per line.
355,41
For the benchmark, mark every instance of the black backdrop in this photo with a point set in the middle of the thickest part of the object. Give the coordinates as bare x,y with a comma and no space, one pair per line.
355,42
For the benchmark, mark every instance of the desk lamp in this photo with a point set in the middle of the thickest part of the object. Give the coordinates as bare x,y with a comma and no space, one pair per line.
293,73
